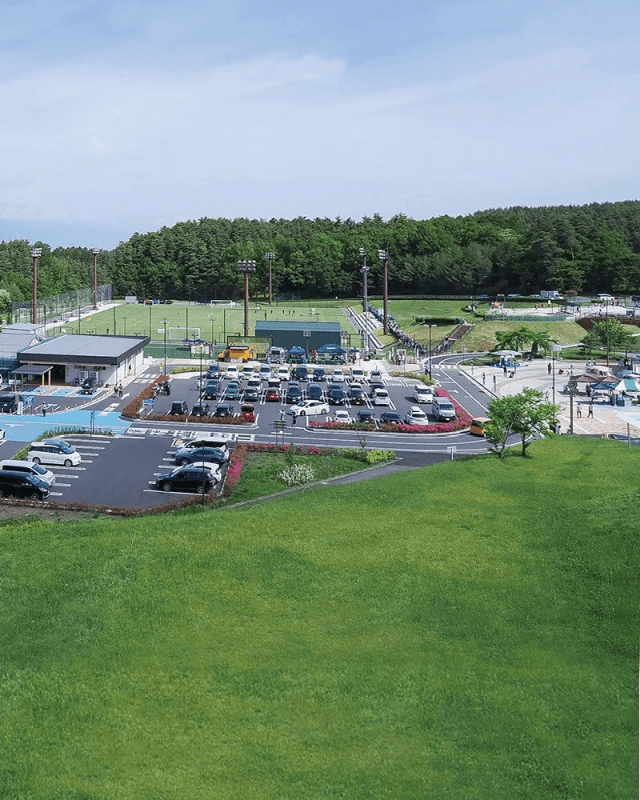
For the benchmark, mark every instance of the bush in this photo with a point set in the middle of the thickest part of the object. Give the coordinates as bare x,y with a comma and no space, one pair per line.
297,475
379,456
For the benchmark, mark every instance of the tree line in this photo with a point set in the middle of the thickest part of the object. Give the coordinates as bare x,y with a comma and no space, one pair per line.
589,249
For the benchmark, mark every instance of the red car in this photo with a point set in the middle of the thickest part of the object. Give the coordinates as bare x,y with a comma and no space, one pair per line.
273,396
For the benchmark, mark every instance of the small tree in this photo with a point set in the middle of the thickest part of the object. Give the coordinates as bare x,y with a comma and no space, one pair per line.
522,414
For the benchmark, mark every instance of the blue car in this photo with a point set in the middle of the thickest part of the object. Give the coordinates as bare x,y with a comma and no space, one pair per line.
232,392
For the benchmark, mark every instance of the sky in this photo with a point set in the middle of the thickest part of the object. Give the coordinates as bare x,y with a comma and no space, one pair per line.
124,116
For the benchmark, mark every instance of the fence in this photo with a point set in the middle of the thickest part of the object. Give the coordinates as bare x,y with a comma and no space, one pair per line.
525,317
61,306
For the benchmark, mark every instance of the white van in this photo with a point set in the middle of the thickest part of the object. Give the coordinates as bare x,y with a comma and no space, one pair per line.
54,451
443,409
30,468
422,393
381,398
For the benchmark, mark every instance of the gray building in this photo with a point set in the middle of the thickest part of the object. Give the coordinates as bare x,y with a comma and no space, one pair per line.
72,358
308,335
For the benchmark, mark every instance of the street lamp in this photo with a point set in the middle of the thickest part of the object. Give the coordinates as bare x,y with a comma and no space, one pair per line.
270,256
36,252
555,348
246,267
165,322
95,252
365,300
383,255
430,326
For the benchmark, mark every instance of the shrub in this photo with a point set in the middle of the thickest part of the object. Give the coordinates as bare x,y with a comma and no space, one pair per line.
379,456
296,474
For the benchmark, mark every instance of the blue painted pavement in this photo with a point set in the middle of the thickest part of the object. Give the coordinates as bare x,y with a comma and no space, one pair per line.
26,428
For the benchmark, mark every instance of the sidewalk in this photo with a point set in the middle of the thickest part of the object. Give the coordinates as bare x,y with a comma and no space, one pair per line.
535,375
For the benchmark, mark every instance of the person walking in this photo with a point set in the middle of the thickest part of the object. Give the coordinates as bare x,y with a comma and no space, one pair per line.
282,415
44,409
549,368
484,378
590,414
579,410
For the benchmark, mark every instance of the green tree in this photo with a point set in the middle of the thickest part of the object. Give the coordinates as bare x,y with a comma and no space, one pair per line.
611,335
540,339
514,339
521,414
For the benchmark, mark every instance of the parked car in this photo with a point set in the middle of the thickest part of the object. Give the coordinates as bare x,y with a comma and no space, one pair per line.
232,391
390,418
301,373
254,383
374,386
211,390
366,415
214,455
283,373
28,468
294,393
251,395
356,395
188,479
264,371
272,395
336,396
213,371
422,393
337,376
314,391
357,374
307,408
375,375
381,397
443,409
232,373
223,410
21,484
220,441
247,372
478,424
53,451
342,415
179,407
201,410
89,386
8,403
416,416
319,374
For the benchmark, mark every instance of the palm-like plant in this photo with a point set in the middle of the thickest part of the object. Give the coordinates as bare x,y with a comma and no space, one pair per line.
540,340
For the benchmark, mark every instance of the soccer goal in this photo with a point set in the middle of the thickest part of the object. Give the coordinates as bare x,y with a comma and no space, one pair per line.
178,334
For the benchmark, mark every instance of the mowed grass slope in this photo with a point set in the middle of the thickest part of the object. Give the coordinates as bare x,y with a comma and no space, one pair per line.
463,631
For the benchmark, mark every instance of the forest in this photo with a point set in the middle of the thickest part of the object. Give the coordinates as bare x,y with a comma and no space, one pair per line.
590,248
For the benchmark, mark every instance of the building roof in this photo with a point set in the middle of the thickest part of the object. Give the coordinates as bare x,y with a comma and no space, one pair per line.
12,343
74,347
281,325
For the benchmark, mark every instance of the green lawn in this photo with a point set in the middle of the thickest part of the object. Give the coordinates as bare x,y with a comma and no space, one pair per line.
463,631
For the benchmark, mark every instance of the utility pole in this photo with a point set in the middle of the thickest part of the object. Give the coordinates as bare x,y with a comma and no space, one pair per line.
365,299
383,255
36,252
270,256
95,252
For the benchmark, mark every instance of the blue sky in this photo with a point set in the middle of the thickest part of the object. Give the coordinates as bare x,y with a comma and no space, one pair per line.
129,116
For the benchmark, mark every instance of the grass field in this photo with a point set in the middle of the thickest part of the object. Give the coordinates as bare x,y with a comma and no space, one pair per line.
467,631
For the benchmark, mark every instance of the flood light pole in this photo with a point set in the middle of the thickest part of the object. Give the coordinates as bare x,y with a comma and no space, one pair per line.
270,256
365,300
95,252
246,267
383,255
36,252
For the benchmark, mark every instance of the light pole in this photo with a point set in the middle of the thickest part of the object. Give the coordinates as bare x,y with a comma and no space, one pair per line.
211,319
246,267
555,348
165,322
365,300
383,255
430,326
606,324
36,252
95,252
270,256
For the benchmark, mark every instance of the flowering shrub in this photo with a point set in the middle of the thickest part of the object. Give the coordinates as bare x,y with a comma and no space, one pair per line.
296,475
379,456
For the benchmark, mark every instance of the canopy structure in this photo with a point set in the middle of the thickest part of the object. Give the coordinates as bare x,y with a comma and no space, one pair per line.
297,351
507,353
331,349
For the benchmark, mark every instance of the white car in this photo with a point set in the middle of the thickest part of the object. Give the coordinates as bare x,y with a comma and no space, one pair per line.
422,393
337,376
307,408
265,371
357,374
54,451
232,373
342,415
283,373
416,416
381,398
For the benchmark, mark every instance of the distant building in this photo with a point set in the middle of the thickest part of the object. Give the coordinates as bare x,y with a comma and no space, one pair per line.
308,335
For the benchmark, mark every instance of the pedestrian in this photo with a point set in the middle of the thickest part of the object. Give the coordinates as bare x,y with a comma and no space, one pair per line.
590,414
494,381
44,409
294,420
484,378
282,414
558,428
579,410
120,390
549,369
504,369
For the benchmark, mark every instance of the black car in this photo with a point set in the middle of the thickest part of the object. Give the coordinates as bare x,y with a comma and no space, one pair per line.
214,455
201,410
356,395
294,393
8,403
211,390
89,386
391,417
301,373
213,371
20,484
186,479
373,385
179,407
336,396
223,410
314,391
318,374
366,415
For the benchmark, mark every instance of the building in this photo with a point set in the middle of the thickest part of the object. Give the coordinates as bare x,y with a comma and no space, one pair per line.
73,358
308,335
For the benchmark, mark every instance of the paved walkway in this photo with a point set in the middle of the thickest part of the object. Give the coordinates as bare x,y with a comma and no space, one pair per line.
535,375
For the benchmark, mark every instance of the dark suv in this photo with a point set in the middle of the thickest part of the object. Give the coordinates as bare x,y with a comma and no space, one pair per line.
8,403
336,396
179,407
187,479
19,484
89,386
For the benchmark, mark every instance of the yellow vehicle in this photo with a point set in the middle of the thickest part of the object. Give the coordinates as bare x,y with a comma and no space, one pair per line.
478,425
238,352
